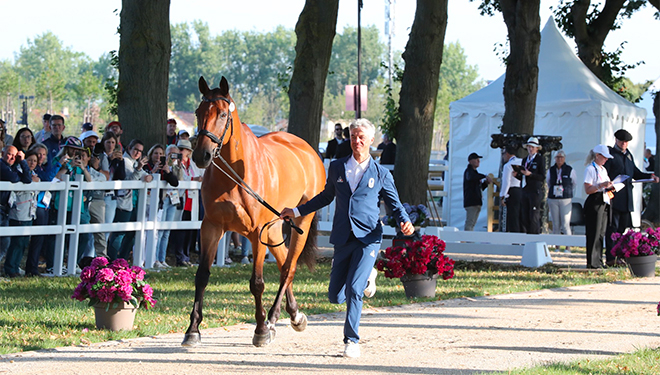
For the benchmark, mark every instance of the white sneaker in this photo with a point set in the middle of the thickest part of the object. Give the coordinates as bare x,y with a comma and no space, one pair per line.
228,260
370,290
245,260
165,265
351,350
158,265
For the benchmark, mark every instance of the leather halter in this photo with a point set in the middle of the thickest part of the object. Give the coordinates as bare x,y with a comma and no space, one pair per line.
229,121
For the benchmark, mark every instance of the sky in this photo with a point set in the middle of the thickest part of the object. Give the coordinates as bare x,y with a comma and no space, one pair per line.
90,26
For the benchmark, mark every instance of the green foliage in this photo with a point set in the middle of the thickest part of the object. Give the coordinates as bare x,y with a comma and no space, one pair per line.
391,115
111,70
38,313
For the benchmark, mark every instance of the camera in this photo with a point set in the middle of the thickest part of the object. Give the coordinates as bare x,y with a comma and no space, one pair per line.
176,156
162,160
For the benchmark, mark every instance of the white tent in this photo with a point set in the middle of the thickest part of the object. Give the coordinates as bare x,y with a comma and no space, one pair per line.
571,102
646,102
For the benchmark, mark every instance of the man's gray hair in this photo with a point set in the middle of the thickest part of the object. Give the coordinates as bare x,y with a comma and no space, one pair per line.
365,124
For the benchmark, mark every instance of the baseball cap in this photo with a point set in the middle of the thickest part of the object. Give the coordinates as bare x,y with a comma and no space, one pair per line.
474,155
183,131
88,126
113,123
603,150
87,134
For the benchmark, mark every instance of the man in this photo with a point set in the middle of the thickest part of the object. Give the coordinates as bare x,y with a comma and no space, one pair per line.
533,179
473,183
510,192
356,182
389,150
97,204
43,134
9,171
344,148
331,150
171,132
649,160
621,204
134,161
116,129
56,139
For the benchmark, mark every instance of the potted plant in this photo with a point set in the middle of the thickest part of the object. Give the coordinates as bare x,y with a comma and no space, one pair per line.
418,264
638,249
115,290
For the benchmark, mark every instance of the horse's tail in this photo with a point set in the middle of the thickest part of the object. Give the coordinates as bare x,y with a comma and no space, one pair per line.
308,254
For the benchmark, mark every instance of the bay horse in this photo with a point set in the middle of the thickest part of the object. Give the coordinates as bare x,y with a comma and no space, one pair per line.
279,167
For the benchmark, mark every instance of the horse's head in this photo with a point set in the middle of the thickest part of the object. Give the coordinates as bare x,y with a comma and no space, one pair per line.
214,118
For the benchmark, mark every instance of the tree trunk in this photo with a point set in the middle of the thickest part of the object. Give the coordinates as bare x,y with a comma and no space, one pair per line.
315,31
522,71
590,37
652,212
144,63
419,91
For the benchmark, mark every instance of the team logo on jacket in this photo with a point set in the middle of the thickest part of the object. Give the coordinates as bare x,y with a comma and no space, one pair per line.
371,182
340,180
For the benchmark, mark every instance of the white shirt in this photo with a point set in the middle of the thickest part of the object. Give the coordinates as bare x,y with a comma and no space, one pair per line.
595,174
508,181
355,171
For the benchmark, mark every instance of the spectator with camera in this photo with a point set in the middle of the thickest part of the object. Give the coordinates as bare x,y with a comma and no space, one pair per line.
9,171
112,163
41,215
166,162
97,204
120,244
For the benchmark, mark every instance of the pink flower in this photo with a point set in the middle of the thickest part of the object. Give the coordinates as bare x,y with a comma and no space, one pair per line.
124,277
80,293
106,294
99,262
105,275
119,264
139,272
87,274
125,292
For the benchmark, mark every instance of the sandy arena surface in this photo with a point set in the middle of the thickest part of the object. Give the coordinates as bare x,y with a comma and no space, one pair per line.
460,336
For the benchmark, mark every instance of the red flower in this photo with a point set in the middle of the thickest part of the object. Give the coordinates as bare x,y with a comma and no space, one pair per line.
417,258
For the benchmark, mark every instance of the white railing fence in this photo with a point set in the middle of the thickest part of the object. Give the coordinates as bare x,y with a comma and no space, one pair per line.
146,226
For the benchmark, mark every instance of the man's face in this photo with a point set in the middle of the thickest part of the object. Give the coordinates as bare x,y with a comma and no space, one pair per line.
42,156
57,127
184,136
46,124
10,155
171,129
338,131
136,151
90,142
623,145
360,141
116,129
475,163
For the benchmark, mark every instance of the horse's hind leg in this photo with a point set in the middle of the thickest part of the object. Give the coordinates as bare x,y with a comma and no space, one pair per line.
210,235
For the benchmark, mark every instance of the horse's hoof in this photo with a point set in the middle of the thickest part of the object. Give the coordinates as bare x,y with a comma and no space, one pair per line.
302,323
191,339
264,339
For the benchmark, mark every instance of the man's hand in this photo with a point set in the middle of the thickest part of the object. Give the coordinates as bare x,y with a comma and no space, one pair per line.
287,213
525,172
656,179
148,178
20,156
503,200
407,228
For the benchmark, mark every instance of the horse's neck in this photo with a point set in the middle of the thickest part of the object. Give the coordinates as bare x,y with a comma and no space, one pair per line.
235,147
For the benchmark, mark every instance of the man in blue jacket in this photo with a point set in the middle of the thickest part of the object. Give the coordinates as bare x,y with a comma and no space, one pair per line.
13,168
358,183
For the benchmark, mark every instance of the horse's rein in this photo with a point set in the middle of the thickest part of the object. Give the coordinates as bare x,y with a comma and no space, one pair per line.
236,178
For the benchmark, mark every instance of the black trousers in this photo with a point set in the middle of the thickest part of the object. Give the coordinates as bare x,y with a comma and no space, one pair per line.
36,243
619,222
531,211
183,242
595,215
512,208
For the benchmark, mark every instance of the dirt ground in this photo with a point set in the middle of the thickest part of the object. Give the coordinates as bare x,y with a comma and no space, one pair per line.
460,336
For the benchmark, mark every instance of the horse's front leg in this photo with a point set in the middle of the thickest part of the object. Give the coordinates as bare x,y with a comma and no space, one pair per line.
210,235
264,334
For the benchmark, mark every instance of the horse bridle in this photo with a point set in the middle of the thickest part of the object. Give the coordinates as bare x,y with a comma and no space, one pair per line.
236,178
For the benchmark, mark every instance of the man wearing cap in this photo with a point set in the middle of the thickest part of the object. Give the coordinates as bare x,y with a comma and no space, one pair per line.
473,183
116,129
171,132
44,133
510,192
533,178
622,163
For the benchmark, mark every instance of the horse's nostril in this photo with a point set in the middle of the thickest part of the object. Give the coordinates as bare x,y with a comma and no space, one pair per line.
207,156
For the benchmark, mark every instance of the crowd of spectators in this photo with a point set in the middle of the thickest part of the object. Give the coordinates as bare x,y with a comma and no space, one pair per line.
48,155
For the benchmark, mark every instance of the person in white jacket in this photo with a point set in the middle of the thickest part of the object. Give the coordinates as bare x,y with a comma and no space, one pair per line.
120,244
510,192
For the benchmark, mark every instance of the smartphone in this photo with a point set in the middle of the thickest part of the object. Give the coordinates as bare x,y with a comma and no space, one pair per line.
117,148
162,160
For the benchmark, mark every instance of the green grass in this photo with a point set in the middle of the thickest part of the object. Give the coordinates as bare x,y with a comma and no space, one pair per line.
38,313
641,362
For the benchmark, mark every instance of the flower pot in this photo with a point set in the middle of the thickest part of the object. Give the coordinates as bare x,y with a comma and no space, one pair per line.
642,266
115,319
419,285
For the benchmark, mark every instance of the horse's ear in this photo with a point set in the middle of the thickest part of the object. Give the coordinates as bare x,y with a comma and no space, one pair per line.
224,86
203,86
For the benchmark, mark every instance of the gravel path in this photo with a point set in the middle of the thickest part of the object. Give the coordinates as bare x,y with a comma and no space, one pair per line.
460,336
